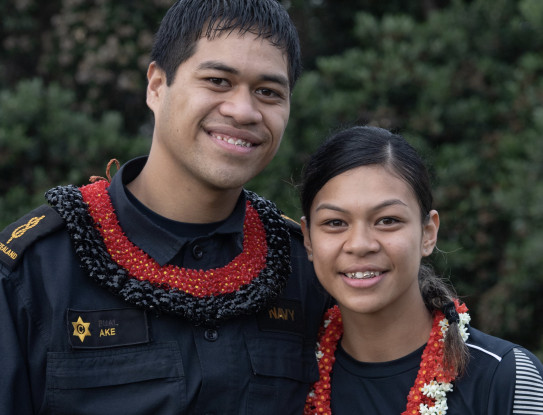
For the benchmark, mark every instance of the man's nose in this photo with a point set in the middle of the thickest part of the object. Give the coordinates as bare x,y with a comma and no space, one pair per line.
242,106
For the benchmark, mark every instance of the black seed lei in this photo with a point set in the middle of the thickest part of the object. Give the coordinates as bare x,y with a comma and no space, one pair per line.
210,310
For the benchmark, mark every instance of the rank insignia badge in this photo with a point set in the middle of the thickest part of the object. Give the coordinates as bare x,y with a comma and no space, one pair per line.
81,329
18,236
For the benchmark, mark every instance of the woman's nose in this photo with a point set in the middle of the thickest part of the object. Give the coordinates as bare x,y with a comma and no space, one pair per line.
361,240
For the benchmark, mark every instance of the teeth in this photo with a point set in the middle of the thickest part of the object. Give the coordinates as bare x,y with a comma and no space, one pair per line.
362,275
238,142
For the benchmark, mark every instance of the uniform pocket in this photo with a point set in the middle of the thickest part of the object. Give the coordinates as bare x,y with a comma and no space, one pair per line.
136,380
283,369
283,356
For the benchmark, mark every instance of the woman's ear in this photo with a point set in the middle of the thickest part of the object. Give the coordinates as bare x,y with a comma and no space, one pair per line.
429,233
307,239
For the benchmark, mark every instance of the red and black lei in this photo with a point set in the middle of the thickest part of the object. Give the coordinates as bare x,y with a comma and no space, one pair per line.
199,306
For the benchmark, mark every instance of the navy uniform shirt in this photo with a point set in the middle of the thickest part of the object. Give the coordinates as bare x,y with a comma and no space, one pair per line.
69,346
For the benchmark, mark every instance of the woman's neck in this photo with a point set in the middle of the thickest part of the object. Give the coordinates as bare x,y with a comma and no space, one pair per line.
388,334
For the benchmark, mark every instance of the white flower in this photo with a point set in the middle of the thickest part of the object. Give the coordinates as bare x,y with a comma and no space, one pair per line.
440,408
462,326
444,325
427,410
423,409
431,389
436,390
464,321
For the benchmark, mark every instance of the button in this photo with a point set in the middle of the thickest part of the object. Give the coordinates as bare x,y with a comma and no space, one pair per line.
197,252
211,335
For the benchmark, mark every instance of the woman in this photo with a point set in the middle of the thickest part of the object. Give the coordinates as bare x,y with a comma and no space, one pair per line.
398,342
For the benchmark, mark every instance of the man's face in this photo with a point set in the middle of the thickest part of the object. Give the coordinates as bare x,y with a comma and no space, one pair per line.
222,119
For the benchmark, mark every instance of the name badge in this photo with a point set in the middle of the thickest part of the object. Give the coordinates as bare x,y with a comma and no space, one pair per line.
97,329
282,316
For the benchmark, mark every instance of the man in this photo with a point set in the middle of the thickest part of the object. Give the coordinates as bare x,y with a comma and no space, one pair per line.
169,290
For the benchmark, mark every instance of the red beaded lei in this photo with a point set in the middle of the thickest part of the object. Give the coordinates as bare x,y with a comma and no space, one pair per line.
244,286
240,271
432,373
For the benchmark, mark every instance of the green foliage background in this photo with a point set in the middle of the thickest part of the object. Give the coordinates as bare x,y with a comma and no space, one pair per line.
462,80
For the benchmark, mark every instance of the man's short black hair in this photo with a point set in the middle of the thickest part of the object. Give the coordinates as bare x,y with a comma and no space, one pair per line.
189,20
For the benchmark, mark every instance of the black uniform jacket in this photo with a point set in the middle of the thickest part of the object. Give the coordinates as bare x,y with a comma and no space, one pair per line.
69,346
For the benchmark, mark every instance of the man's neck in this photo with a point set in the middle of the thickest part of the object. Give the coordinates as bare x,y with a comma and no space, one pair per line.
180,201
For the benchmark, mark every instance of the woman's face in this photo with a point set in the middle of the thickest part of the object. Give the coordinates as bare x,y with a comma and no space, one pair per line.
366,239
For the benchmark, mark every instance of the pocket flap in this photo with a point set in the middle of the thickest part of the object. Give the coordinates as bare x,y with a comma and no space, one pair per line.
282,357
82,369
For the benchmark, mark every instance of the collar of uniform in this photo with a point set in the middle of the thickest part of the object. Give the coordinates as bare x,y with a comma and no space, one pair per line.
159,243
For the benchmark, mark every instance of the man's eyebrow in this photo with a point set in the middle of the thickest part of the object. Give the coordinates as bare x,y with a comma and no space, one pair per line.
276,79
219,66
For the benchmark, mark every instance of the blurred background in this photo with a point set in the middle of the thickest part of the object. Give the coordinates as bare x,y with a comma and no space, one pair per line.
461,80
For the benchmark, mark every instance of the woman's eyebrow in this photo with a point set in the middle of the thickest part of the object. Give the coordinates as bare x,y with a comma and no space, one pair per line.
382,205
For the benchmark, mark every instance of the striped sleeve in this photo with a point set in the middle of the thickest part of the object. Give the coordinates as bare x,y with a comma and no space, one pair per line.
528,386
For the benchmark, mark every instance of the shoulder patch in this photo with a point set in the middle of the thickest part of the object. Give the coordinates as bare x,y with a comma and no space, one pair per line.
15,238
293,226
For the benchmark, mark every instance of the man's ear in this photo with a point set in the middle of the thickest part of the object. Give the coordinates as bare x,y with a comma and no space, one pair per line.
429,233
307,238
156,81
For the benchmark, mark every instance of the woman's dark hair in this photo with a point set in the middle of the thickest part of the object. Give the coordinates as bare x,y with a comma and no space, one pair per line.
363,146
189,20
